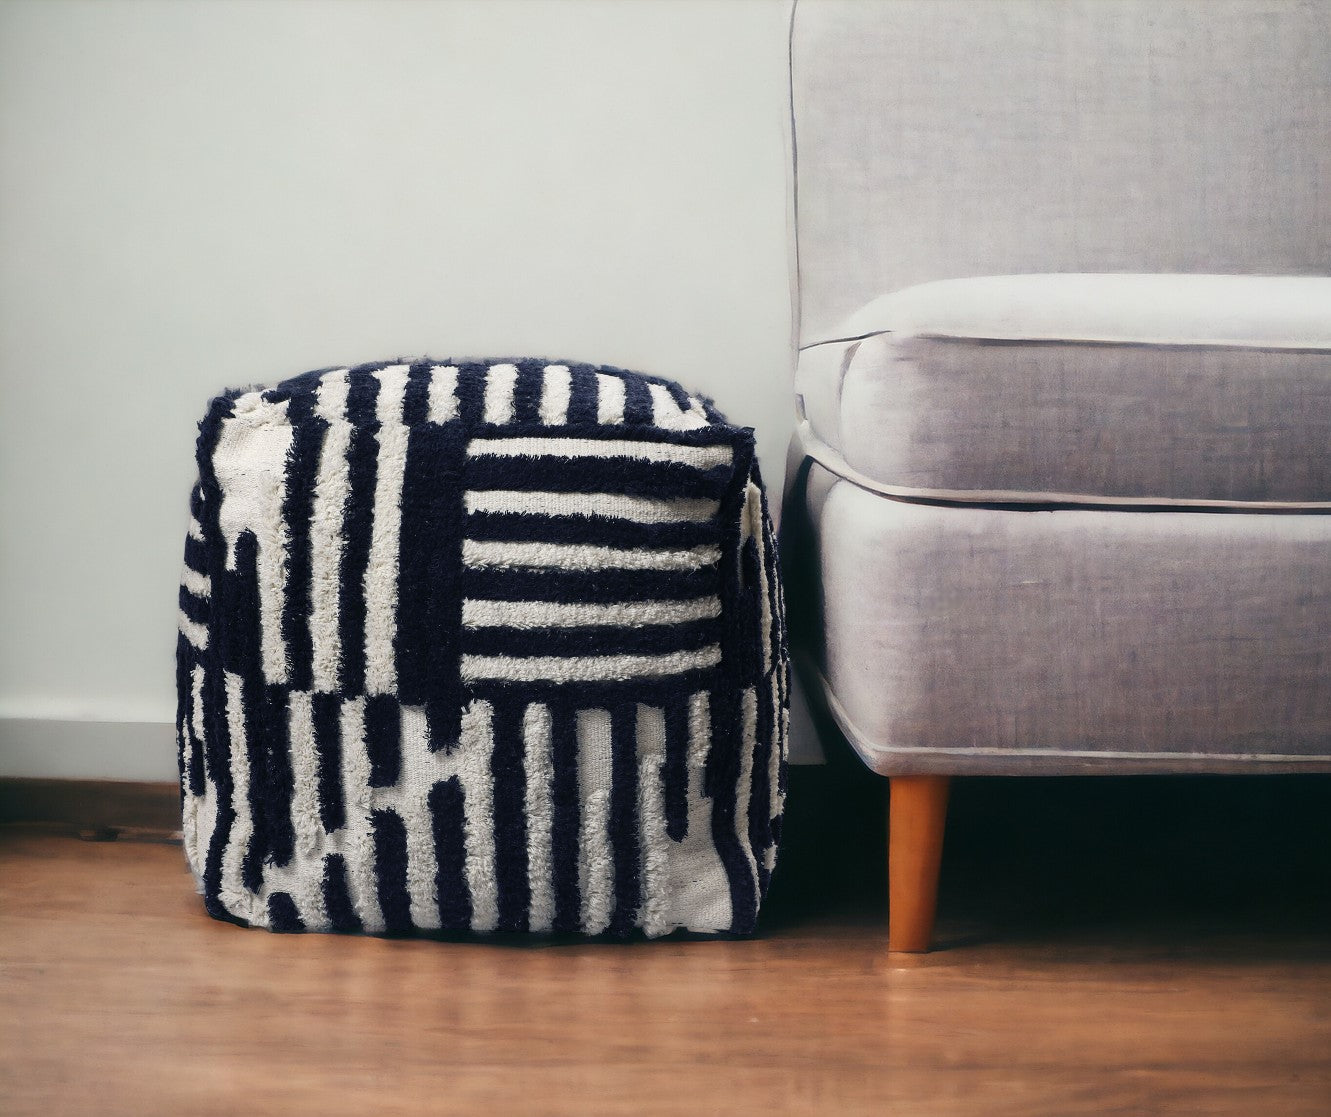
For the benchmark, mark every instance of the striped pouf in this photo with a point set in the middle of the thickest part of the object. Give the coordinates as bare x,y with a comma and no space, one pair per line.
480,646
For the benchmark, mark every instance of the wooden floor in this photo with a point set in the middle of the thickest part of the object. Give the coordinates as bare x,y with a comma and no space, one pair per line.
1109,947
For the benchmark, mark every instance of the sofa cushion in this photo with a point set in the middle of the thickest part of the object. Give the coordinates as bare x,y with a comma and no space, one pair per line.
1006,641
1099,388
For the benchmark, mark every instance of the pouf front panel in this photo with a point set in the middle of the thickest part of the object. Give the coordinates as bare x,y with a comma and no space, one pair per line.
480,646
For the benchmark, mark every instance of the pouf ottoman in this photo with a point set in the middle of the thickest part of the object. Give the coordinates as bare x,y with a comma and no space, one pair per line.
479,646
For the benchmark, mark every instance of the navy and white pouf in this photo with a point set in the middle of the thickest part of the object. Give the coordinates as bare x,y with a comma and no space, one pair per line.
480,646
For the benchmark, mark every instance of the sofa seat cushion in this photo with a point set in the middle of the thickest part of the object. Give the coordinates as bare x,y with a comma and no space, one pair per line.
1102,388
1002,641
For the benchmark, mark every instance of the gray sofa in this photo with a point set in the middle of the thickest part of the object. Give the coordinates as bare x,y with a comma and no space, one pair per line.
1061,483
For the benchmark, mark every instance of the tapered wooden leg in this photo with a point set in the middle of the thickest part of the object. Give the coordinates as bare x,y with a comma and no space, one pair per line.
917,814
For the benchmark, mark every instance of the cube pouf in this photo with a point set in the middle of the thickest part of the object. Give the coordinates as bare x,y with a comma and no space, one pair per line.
480,646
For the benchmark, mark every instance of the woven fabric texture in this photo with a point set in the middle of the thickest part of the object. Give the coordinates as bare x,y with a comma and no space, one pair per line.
479,646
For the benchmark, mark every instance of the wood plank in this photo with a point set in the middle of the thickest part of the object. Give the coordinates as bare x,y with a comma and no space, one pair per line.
120,995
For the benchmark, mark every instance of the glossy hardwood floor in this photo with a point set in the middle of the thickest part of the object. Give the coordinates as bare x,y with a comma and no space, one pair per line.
1115,946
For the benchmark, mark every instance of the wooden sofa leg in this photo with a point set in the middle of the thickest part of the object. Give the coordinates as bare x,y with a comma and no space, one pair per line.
917,814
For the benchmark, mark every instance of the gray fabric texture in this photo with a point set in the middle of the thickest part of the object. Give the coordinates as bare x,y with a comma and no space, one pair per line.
976,640
1171,422
945,138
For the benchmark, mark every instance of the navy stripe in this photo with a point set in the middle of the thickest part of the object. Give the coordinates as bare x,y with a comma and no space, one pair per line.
383,739
736,604
196,609
527,392
429,615
185,746
358,523
637,400
251,865
278,779
238,606
390,870
624,836
416,400
506,583
196,501
282,914
582,395
760,788
675,772
654,639
618,432
593,529
196,555
337,897
448,825
471,393
631,476
298,504
566,815
720,781
327,711
510,818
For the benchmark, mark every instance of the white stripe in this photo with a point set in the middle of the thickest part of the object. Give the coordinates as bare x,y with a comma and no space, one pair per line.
475,747
250,461
584,556
201,817
616,506
695,864
197,720
775,756
305,887
195,529
443,404
654,914
609,399
744,785
540,816
356,838
699,457
381,571
305,775
586,668
196,848
414,810
596,867
572,614
755,512
235,897
499,383
194,632
200,585
327,540
556,385
668,415
409,800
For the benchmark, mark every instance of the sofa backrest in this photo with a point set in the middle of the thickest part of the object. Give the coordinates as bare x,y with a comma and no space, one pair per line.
939,139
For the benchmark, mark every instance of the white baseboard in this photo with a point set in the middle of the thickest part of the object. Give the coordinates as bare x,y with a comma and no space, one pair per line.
52,748
65,749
